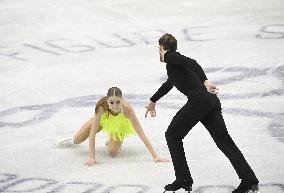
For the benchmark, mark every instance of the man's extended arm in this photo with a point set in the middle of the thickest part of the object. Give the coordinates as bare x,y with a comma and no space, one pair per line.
163,90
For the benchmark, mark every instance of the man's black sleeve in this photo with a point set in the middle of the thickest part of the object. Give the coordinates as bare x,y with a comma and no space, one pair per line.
162,91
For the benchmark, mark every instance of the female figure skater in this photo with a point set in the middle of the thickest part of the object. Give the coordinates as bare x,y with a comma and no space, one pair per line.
116,117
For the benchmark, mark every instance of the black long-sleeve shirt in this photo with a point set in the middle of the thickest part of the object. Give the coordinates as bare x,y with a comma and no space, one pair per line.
184,73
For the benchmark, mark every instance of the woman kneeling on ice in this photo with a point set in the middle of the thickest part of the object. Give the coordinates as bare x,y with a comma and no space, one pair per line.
115,116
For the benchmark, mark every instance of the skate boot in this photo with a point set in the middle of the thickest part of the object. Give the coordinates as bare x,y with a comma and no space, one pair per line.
67,142
246,186
176,185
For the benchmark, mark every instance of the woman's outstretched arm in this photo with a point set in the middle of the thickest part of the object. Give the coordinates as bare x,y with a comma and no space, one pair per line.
92,138
129,112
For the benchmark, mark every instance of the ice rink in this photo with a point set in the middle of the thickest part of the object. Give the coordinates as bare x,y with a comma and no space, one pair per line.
58,57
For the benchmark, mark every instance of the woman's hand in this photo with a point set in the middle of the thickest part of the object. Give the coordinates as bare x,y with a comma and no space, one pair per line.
159,159
91,162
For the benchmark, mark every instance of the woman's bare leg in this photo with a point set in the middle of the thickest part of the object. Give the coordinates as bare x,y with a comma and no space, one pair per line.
114,147
84,132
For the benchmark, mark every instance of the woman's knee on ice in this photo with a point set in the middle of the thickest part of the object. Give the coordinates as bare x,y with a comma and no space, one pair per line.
113,152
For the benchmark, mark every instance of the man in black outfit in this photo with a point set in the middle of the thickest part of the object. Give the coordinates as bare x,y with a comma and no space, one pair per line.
203,105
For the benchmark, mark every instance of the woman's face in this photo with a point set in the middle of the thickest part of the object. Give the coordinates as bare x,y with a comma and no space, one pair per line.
114,103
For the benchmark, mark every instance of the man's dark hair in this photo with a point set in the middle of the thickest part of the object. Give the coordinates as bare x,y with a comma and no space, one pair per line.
169,42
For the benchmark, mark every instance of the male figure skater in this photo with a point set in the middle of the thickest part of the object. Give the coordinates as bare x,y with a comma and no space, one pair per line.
203,105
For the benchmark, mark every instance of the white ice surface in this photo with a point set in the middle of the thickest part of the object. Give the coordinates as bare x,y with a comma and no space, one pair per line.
57,57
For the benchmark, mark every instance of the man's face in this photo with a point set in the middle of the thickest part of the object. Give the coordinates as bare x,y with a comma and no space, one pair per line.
114,104
162,53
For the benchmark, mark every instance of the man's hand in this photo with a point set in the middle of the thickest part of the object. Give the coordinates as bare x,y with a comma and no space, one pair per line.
211,87
151,108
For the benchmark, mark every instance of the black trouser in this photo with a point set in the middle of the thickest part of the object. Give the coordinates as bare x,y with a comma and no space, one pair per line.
204,107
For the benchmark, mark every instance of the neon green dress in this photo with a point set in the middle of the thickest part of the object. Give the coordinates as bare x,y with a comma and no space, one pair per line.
117,126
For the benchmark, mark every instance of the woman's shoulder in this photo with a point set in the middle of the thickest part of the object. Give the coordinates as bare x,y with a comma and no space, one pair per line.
127,108
101,110
127,104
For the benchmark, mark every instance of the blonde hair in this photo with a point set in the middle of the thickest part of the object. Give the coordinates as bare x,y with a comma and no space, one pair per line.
102,103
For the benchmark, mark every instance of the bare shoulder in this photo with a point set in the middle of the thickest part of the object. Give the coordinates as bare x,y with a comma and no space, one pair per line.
101,111
127,105
127,108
